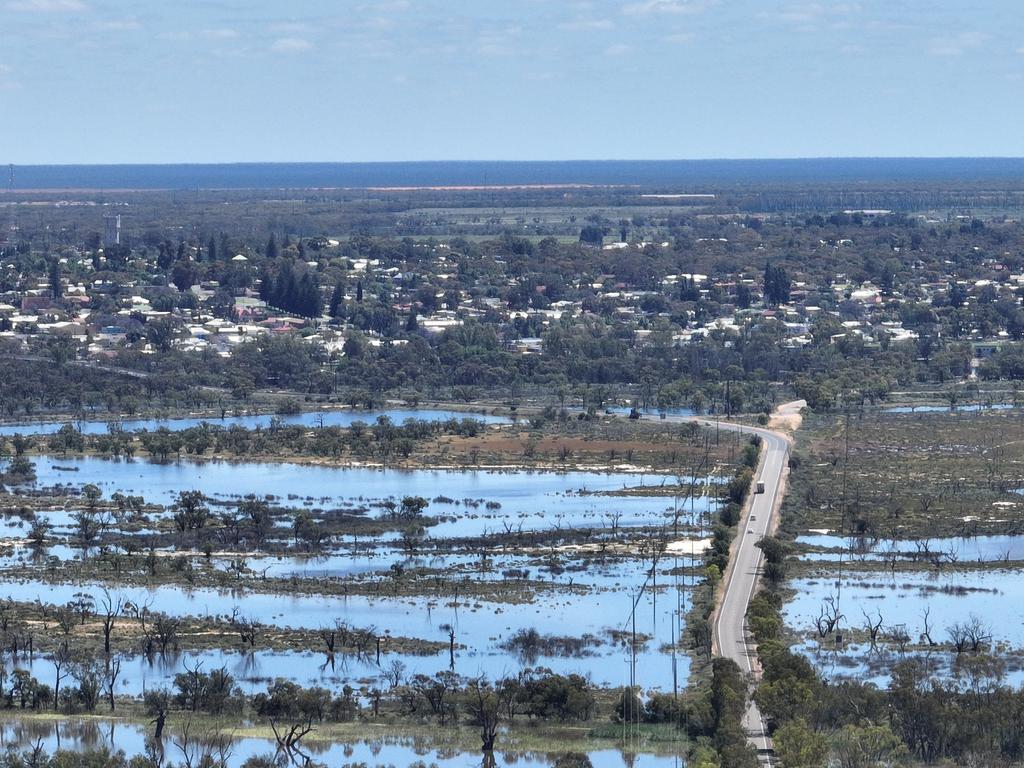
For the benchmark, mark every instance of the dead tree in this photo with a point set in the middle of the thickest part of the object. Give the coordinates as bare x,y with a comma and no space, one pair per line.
394,673
288,740
330,637
158,725
246,627
165,631
978,633
212,750
61,660
900,637
828,617
484,708
113,671
111,610
451,643
872,627
958,637
926,633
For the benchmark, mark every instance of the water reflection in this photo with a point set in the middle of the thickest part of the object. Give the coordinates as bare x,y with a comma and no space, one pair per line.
524,500
79,735
339,418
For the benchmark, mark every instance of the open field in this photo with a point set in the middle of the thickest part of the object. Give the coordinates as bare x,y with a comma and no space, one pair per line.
905,476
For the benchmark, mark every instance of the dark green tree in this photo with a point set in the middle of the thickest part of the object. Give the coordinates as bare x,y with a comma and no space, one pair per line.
592,235
776,285
336,306
55,283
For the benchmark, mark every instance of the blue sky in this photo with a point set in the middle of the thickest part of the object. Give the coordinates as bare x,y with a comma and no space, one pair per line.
107,81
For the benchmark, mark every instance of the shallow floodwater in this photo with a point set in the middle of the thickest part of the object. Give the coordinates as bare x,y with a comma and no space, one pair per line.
965,408
963,549
652,412
532,500
591,601
996,597
857,662
397,751
338,418
492,565
576,597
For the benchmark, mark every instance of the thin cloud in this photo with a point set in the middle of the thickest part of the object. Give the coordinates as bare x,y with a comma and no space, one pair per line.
680,38
118,25
396,6
956,45
587,25
289,28
619,49
178,36
219,34
47,6
505,41
651,7
812,13
6,82
183,35
291,45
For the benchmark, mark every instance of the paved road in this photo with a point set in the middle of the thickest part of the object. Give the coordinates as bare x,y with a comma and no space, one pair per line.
729,634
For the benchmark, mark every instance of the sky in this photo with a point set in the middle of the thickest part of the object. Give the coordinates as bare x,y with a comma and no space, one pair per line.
109,81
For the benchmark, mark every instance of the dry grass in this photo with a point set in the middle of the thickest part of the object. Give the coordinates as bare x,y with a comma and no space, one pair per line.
909,475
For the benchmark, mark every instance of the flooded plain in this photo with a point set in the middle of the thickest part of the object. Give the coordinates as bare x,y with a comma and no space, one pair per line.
376,751
569,592
593,598
992,600
331,418
967,549
530,500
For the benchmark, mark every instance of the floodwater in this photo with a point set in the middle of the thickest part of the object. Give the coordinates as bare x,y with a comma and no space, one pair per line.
333,418
385,751
859,663
571,594
965,408
599,599
528,500
994,596
970,549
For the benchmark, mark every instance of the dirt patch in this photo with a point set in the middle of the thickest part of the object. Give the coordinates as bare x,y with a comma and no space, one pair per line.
787,417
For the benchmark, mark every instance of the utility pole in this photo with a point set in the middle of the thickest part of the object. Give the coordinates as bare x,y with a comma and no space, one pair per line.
675,676
632,647
842,508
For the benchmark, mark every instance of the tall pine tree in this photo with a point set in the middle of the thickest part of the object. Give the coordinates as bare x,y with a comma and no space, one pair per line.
776,285
266,284
312,300
337,301
55,286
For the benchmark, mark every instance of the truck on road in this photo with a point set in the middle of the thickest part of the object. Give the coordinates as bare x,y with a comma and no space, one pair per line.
759,487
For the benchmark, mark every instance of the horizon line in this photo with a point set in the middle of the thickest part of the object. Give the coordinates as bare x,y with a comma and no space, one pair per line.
795,158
